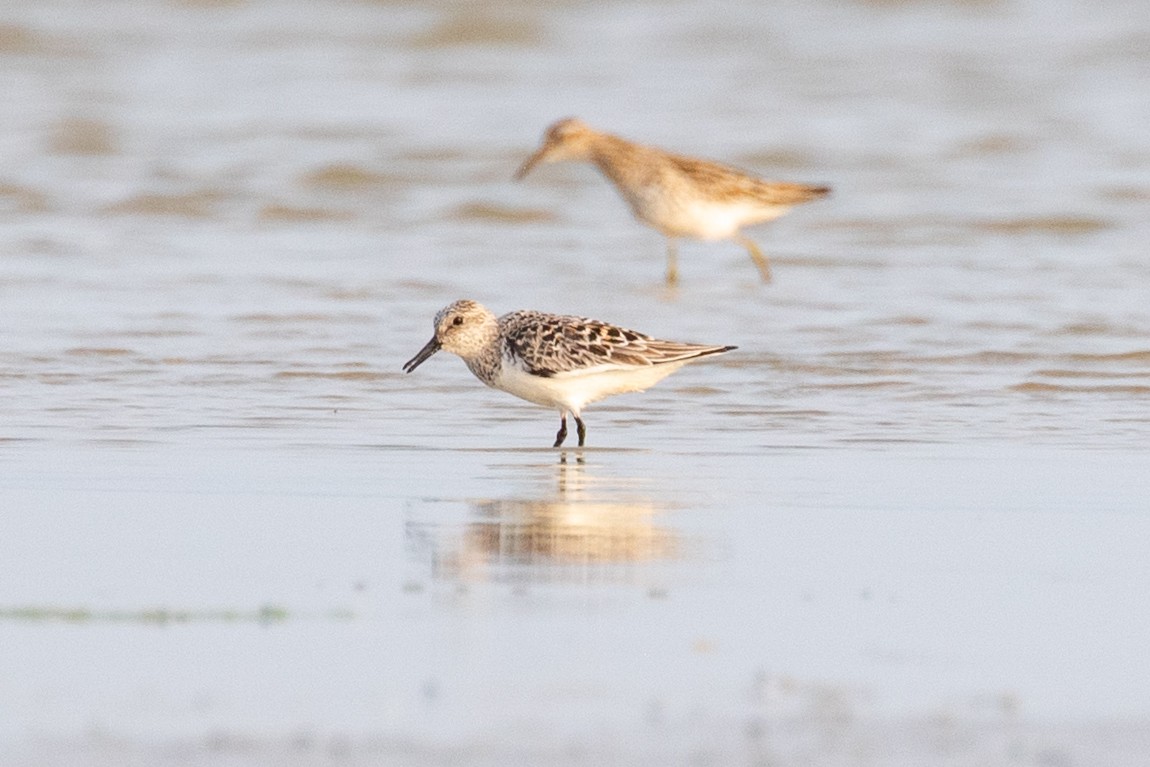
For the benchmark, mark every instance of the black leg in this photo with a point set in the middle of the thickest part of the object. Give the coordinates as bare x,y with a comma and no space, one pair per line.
582,429
562,434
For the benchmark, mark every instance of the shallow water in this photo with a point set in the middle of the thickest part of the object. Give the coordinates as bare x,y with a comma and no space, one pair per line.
903,523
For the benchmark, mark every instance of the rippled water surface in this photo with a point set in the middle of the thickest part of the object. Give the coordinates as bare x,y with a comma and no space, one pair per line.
904,523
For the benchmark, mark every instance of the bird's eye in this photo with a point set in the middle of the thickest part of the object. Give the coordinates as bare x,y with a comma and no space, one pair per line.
457,321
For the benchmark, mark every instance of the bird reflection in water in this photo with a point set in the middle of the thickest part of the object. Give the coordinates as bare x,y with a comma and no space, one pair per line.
584,530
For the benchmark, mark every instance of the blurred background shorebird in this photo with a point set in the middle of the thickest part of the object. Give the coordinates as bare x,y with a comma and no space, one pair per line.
679,196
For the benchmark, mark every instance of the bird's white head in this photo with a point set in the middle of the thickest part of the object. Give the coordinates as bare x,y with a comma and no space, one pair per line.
463,327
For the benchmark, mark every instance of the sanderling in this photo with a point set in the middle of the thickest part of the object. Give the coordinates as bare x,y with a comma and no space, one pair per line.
553,360
679,196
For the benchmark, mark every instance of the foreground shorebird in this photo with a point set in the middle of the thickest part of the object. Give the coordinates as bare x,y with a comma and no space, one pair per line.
679,196
553,360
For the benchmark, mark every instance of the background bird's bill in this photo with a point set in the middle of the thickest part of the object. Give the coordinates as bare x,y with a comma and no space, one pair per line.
531,162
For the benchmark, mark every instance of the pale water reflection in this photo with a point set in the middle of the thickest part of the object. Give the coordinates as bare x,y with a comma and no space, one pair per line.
585,528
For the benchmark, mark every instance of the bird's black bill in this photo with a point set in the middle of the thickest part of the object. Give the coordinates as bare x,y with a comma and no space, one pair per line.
431,348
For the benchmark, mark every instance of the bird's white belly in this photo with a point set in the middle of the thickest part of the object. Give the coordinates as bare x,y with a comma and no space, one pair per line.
575,389
701,219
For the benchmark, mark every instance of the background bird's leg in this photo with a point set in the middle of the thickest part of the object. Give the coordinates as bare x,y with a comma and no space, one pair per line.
582,429
562,433
672,262
756,256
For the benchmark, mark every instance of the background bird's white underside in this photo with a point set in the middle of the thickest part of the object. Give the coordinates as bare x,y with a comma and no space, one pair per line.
708,221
